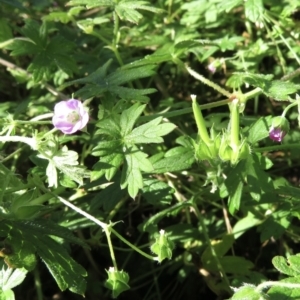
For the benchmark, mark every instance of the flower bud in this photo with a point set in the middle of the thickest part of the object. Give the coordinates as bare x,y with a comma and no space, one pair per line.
162,247
280,127
117,281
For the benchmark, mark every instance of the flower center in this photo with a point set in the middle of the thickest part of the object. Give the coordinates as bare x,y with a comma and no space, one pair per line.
73,117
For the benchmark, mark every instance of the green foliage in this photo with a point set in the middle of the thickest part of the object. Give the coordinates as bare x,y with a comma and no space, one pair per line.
9,278
47,54
198,187
120,146
126,9
279,90
99,82
24,239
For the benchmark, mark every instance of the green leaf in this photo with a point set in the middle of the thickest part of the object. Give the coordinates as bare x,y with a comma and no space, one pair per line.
108,165
91,3
230,4
129,117
51,174
66,161
157,192
259,130
109,197
127,10
5,31
163,213
283,265
283,292
280,90
136,161
98,82
63,17
254,10
221,247
33,237
242,225
7,295
10,278
179,160
66,272
247,292
234,184
22,255
48,54
272,228
277,89
150,132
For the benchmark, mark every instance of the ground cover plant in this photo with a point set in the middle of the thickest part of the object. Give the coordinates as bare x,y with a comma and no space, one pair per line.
149,149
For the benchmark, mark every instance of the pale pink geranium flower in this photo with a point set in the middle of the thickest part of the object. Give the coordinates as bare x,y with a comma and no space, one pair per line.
70,116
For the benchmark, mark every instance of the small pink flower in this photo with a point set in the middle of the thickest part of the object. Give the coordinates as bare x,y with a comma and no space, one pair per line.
276,134
70,116
280,127
212,68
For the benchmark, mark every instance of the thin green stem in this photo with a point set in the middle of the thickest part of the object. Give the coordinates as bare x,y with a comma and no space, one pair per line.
103,225
50,132
252,93
288,107
212,249
235,125
37,283
132,246
183,111
113,212
32,122
208,82
42,117
29,141
268,284
110,246
291,75
277,147
290,48
100,37
8,157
